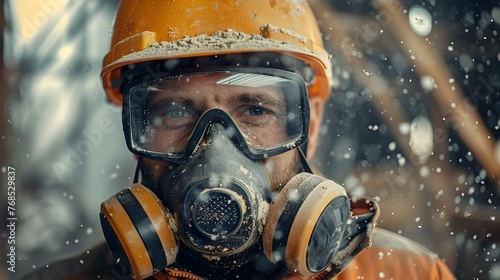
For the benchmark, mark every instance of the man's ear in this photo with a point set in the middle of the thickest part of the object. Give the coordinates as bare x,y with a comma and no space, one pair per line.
317,105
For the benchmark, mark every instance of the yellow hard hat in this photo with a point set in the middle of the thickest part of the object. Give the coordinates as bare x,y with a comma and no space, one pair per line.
158,30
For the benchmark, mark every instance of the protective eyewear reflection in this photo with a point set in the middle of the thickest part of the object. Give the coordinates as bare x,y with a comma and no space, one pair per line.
264,111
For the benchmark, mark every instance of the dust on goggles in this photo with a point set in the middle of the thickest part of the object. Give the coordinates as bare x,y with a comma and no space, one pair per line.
264,111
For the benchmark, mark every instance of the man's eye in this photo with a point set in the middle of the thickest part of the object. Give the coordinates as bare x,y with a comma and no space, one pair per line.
253,115
176,113
256,111
174,117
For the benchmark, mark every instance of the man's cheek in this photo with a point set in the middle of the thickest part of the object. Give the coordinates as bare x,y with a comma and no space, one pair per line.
269,164
154,169
278,168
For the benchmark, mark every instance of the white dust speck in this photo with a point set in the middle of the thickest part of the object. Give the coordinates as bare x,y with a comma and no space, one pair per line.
392,146
495,14
244,169
424,171
404,128
420,20
294,195
427,83
373,127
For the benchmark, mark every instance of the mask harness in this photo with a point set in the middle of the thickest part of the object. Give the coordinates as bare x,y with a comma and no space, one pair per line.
217,207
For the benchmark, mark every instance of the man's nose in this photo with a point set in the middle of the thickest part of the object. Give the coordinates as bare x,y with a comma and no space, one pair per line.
216,134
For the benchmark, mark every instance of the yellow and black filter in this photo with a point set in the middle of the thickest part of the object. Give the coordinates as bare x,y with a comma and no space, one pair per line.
139,231
306,224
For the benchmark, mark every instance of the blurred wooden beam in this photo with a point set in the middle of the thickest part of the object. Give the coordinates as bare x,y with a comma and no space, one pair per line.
376,84
462,115
380,90
442,185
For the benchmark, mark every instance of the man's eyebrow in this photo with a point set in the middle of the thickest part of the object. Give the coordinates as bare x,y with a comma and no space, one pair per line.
261,97
168,101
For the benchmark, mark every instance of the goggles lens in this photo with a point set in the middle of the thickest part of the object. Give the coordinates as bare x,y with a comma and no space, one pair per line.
264,112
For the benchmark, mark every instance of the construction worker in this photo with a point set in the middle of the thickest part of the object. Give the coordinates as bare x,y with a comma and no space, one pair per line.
222,103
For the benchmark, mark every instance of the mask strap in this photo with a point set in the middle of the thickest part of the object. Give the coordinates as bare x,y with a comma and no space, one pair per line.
137,170
303,160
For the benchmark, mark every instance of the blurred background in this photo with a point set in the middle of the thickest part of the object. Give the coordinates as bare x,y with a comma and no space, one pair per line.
414,121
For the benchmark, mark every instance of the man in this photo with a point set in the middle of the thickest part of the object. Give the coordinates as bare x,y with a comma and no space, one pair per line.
222,101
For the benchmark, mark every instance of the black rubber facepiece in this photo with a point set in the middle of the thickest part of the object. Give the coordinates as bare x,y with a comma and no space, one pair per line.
216,196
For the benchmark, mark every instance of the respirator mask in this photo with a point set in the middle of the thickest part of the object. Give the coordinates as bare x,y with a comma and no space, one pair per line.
216,126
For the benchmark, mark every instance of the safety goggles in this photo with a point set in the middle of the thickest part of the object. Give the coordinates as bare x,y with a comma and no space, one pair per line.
264,111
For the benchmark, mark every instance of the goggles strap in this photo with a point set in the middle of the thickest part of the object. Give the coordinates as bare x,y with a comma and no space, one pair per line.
137,170
303,160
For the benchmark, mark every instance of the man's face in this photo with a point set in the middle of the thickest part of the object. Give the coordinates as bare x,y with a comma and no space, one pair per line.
259,113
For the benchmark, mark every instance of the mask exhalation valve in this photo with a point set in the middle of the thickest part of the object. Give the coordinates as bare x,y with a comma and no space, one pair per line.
217,213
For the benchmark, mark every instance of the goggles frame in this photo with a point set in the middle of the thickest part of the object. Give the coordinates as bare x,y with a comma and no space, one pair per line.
215,115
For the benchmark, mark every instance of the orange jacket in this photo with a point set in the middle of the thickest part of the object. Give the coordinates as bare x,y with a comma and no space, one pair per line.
392,256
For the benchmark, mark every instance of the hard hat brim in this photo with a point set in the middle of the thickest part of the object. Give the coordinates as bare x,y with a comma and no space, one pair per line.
218,43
